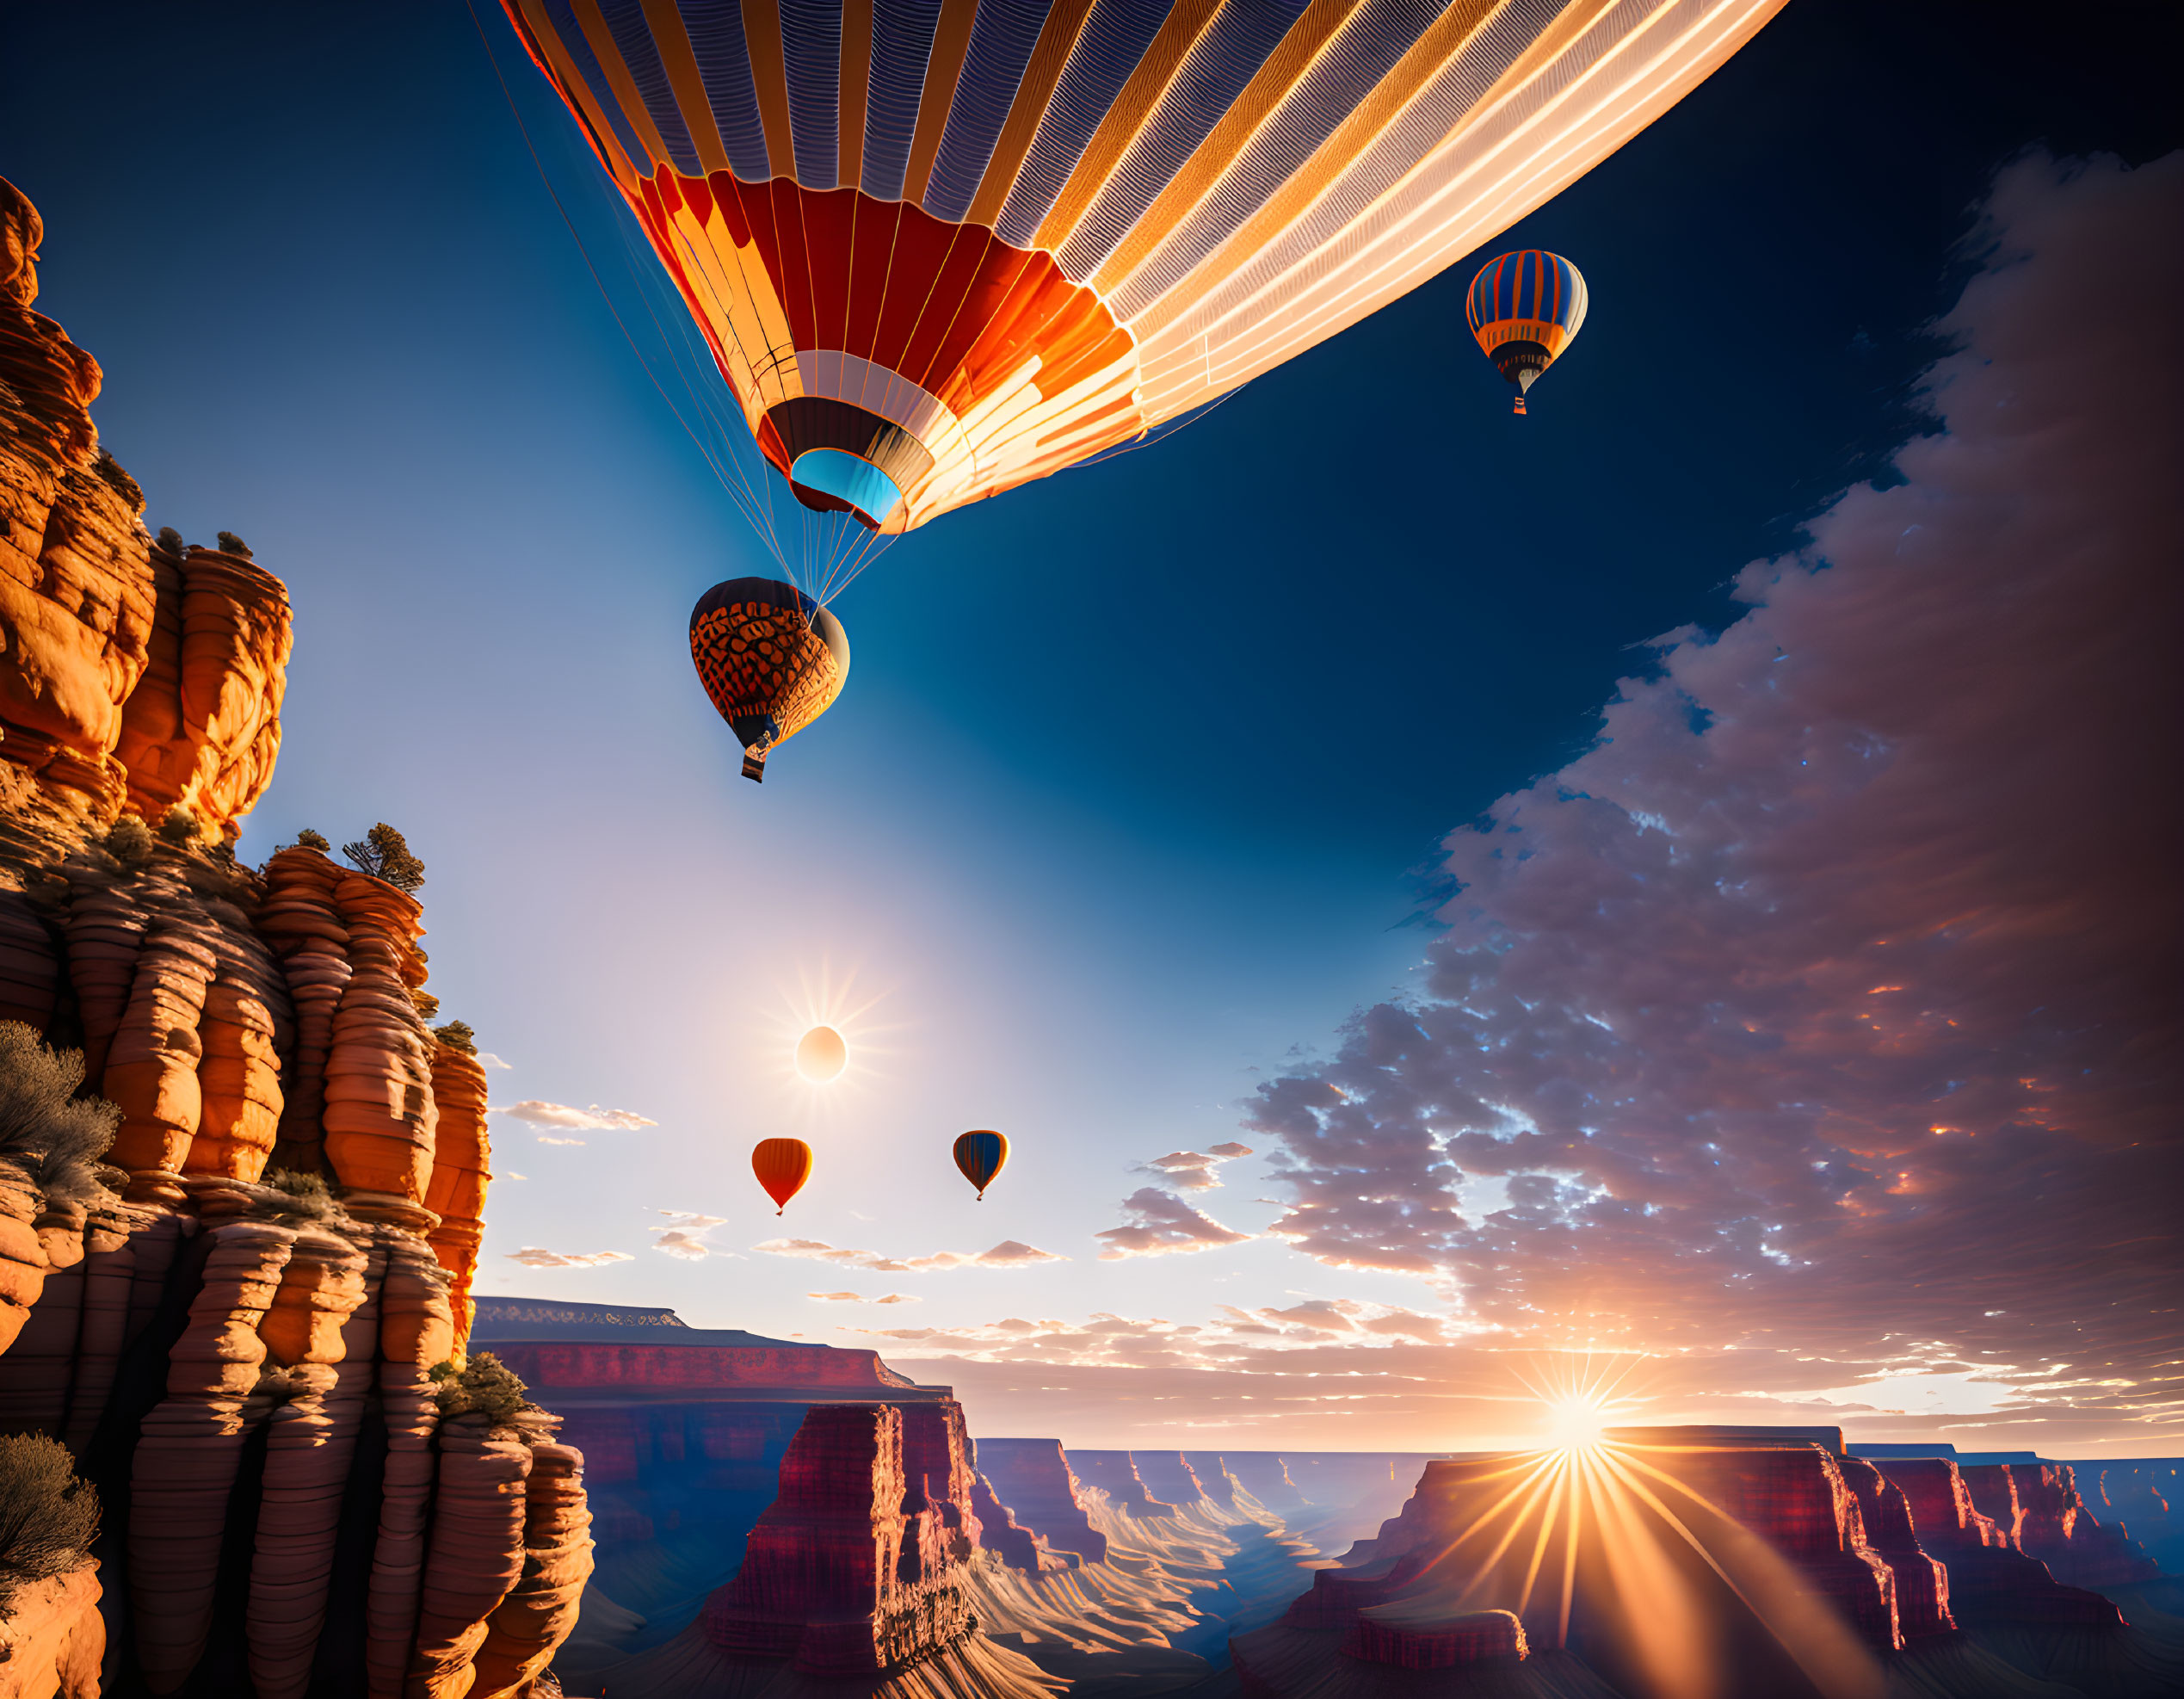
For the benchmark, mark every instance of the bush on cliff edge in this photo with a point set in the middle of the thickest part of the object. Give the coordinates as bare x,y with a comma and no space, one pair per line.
482,1385
48,1518
55,1136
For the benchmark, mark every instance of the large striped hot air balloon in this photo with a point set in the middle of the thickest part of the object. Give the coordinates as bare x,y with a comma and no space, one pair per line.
1523,309
942,247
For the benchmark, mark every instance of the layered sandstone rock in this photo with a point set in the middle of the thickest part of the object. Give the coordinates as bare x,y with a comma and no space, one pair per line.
1115,1473
201,729
1991,1580
1168,1477
851,1570
52,1640
1922,1580
1212,1473
462,1154
137,676
1000,1533
1033,1478
1265,1476
244,1369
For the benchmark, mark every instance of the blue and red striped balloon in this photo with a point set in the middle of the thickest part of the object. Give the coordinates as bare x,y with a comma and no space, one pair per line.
1524,308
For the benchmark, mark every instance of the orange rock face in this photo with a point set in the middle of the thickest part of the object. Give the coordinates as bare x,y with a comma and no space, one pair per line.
462,1153
203,727
53,1638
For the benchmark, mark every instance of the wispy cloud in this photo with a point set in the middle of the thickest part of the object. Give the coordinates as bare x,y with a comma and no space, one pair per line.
1826,1001
486,1059
548,1138
858,1298
1192,1171
532,1256
592,1120
684,1236
1009,1254
1157,1223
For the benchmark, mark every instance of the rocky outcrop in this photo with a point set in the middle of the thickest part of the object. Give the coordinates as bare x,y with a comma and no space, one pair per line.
1212,1473
136,675
1992,1580
1922,1581
244,1370
1033,1478
1000,1533
1115,1473
52,1640
1265,1476
852,1569
1169,1477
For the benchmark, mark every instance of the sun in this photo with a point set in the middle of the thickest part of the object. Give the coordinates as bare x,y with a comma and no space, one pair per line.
1575,1424
821,1055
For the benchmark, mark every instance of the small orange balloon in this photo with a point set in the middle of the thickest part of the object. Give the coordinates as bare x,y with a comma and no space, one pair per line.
782,1166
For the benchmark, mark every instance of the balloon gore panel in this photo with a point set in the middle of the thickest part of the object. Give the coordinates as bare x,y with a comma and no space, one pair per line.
1019,232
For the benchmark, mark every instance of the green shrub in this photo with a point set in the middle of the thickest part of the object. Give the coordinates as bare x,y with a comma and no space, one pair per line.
384,854
179,826
426,1004
129,841
308,839
48,1518
55,1136
457,1036
171,541
314,1198
483,1386
231,544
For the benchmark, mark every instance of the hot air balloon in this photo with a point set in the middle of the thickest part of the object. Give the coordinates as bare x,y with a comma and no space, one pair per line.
782,1166
939,247
980,1156
772,659
1524,308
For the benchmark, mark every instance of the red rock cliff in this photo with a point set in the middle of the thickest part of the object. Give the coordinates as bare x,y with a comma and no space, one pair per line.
855,1567
244,1372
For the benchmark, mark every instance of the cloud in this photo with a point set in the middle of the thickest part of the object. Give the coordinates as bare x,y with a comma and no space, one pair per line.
1192,1171
533,1257
1826,1002
593,1120
548,1138
684,1236
510,1174
1158,1222
1009,1254
486,1059
858,1298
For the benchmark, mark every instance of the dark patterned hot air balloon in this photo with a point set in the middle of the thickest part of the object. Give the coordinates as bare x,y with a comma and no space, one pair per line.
1524,308
782,1166
980,1156
772,659
939,247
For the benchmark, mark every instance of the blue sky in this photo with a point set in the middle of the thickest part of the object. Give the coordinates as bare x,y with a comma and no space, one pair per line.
1138,768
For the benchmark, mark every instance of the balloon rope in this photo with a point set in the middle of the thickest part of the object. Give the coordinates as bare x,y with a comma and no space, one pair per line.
597,281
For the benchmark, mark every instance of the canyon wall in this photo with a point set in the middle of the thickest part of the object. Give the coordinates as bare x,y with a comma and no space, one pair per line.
1778,1565
234,1322
1033,1478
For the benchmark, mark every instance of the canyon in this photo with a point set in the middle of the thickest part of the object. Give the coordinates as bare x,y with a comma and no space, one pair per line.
329,1467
